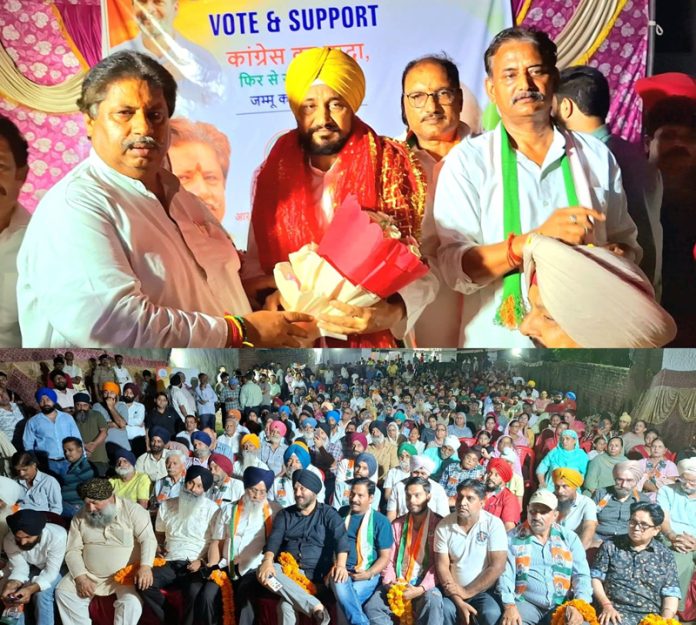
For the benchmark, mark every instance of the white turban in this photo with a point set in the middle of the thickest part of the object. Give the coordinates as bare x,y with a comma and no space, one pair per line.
599,299
10,491
451,441
688,465
422,462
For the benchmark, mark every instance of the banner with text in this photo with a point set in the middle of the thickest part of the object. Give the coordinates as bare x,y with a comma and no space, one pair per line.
230,57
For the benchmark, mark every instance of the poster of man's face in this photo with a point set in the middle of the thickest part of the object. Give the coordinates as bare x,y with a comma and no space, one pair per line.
155,17
200,155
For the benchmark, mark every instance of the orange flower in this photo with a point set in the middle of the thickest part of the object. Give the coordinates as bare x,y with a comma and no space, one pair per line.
657,619
588,612
400,608
126,575
223,581
290,568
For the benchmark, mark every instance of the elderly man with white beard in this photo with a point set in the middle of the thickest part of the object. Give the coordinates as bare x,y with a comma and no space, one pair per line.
183,536
107,534
201,442
250,449
239,532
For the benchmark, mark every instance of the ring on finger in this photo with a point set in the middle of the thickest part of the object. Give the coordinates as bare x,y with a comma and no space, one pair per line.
573,219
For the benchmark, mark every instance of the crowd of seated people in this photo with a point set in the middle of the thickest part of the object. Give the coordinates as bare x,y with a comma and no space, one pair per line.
345,492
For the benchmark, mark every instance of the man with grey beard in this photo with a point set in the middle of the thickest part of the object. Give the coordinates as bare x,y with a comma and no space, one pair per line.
576,511
93,429
94,553
614,503
183,534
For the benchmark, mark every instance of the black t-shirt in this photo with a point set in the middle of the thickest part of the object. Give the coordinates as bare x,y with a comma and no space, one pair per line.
170,421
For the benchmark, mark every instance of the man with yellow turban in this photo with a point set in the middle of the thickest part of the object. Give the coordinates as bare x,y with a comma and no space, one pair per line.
311,170
576,511
115,413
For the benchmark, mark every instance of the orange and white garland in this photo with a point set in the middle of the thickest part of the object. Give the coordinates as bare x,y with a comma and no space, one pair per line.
588,612
126,575
223,581
400,608
290,568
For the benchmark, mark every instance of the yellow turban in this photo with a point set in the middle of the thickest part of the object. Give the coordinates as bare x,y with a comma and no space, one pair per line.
333,67
573,477
253,439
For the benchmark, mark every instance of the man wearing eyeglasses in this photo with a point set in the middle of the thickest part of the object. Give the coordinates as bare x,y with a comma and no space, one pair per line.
431,107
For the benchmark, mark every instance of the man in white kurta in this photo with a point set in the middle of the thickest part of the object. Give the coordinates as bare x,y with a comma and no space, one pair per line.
157,268
473,250
107,534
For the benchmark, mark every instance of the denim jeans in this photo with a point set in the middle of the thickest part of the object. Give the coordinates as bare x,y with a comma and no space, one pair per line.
351,595
487,608
43,603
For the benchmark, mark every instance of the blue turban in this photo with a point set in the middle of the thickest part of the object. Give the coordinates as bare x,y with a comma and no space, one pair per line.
333,414
44,391
309,421
203,437
124,453
82,397
308,479
253,475
197,470
369,460
286,409
159,432
399,416
301,453
570,395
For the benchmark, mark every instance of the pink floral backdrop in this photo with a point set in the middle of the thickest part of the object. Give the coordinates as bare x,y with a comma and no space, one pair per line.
31,33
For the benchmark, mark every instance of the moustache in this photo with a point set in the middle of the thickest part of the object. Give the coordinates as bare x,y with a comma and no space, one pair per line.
534,95
331,127
432,117
141,142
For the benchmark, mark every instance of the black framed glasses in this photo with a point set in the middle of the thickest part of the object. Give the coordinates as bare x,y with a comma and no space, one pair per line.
641,527
417,99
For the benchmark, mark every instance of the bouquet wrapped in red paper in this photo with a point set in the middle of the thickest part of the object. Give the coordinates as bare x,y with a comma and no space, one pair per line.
360,260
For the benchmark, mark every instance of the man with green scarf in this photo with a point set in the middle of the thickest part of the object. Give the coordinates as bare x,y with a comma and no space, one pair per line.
524,176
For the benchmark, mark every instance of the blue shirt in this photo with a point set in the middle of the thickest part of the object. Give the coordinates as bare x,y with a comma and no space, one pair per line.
43,434
205,399
44,494
540,588
383,535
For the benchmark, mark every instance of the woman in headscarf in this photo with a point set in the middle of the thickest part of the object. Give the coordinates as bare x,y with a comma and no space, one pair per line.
393,434
600,469
514,431
643,451
526,430
490,425
567,454
658,470
636,436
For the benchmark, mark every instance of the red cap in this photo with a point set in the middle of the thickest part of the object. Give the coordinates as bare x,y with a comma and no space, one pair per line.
652,89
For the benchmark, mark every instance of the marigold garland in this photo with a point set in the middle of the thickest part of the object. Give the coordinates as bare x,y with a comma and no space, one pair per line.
290,568
223,581
588,612
126,575
403,610
657,619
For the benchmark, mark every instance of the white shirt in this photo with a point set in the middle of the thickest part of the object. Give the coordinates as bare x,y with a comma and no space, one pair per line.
205,399
154,278
181,397
153,468
439,503
74,371
47,556
65,398
468,552
249,538
468,212
123,376
136,419
10,242
187,537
